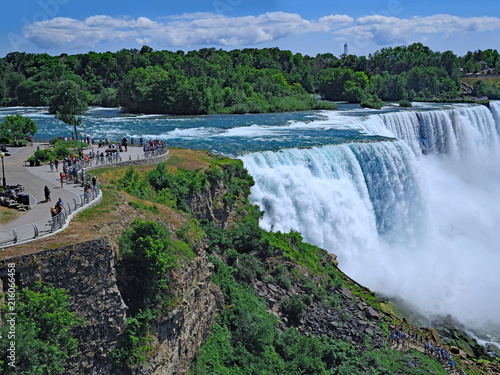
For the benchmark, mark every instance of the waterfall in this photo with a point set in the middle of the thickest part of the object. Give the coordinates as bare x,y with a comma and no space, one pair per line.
372,187
495,110
440,131
417,216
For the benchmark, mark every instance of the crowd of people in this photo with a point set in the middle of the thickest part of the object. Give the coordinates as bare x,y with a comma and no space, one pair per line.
73,167
152,145
400,338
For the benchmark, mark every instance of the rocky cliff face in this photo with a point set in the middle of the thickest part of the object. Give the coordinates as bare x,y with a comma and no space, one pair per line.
87,271
179,335
207,204
350,319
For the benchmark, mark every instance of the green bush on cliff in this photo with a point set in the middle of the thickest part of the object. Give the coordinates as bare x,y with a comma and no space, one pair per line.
146,254
43,339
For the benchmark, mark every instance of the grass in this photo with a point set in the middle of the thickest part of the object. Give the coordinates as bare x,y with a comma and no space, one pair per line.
8,214
471,80
109,202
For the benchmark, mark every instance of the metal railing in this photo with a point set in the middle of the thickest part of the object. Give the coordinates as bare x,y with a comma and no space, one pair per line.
96,161
28,232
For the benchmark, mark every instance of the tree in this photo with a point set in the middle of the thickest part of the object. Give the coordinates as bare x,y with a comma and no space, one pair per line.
43,331
16,128
68,103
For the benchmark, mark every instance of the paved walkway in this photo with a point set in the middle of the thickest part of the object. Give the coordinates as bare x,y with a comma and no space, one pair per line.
34,179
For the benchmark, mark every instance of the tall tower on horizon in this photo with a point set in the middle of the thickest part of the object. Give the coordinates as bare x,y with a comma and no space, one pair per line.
345,49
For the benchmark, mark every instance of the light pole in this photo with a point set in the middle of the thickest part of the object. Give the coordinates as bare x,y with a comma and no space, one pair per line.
84,134
81,142
2,155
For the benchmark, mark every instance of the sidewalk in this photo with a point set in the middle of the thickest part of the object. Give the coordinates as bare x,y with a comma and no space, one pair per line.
34,179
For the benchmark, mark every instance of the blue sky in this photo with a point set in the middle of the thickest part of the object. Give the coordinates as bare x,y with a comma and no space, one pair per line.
309,27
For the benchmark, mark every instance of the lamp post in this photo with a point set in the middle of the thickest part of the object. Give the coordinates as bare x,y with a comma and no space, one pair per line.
2,155
81,142
84,136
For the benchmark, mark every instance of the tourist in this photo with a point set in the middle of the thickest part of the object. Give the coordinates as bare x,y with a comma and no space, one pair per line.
56,164
46,191
59,206
61,177
51,164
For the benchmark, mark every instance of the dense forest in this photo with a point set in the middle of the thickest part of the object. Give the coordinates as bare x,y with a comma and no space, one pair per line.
239,81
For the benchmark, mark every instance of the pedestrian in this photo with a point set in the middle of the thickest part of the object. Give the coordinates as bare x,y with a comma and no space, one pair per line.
56,164
59,205
46,191
61,177
51,165
94,181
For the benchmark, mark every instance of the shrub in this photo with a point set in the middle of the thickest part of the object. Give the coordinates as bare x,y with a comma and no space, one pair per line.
281,276
293,308
146,255
371,101
43,331
405,103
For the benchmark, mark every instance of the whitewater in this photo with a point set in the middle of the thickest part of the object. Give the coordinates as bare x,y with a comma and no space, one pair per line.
416,216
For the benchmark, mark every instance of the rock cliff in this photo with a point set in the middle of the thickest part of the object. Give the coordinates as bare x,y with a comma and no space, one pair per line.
87,271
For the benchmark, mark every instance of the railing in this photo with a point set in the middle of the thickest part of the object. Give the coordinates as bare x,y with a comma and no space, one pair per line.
114,159
29,232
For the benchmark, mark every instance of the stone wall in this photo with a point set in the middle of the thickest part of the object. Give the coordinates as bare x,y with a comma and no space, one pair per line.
87,271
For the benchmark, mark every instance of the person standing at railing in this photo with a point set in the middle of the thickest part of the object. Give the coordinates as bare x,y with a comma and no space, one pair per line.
59,206
124,143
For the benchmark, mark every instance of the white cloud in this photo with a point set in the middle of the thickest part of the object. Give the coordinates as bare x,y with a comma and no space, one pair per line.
186,30
390,30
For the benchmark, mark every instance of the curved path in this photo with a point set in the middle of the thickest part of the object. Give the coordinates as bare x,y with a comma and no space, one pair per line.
34,179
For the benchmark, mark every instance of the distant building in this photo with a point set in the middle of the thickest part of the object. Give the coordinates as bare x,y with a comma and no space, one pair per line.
346,52
484,65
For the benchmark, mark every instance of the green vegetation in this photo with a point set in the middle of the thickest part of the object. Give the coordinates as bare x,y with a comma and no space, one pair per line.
485,88
405,103
15,129
244,339
60,149
43,332
238,81
146,255
371,101
175,189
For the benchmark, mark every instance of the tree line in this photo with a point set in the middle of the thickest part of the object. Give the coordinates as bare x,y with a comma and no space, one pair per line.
238,81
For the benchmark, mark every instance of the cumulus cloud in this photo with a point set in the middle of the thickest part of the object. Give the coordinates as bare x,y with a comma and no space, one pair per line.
390,30
186,30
